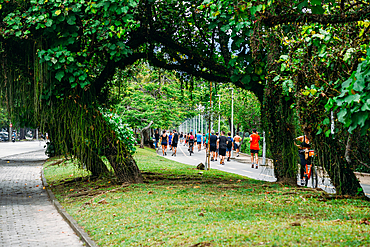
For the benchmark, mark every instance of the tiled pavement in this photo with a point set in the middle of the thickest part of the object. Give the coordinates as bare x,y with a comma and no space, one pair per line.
27,217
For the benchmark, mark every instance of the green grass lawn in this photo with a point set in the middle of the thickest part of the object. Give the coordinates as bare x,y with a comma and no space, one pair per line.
177,206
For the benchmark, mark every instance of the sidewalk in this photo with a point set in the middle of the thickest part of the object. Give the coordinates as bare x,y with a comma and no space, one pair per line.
27,217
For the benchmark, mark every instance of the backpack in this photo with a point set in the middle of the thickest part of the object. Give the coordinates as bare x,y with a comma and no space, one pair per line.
229,142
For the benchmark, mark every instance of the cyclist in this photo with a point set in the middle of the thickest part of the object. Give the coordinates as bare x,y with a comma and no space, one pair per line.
164,141
303,152
191,142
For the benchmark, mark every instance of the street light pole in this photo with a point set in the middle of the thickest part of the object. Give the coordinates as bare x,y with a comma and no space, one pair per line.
232,117
219,115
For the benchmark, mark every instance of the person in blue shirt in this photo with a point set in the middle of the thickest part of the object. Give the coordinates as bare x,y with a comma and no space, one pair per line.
230,144
170,140
199,141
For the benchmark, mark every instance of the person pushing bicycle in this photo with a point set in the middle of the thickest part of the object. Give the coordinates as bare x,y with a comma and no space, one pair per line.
304,152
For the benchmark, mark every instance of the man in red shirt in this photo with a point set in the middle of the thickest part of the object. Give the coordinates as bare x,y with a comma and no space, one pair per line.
255,147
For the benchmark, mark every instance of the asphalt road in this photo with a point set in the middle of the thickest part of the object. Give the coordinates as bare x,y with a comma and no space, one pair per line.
242,165
13,148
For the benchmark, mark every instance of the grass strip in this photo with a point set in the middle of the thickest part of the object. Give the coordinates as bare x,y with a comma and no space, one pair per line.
177,206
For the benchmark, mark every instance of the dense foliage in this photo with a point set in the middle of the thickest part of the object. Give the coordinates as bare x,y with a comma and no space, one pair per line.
292,54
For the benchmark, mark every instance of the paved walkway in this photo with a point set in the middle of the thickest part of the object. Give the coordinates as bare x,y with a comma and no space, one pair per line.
27,217
242,165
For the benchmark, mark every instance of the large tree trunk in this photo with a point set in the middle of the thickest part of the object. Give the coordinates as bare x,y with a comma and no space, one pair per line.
279,119
331,155
123,163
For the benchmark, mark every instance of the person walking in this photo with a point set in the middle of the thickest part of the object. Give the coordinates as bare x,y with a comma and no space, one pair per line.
175,140
156,139
170,140
199,141
229,146
164,141
213,146
217,146
237,139
222,145
254,147
181,138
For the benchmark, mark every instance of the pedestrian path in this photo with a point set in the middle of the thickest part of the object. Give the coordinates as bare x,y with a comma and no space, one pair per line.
27,217
242,165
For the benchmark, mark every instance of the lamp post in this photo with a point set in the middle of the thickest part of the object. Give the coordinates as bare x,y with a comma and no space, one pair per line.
219,109
232,117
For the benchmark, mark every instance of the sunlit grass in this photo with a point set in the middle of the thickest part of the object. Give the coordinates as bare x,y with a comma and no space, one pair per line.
178,206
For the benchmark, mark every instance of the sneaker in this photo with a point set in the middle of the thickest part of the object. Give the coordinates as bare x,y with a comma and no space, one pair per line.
256,166
252,165
223,163
212,159
237,155
228,158
302,182
165,153
215,159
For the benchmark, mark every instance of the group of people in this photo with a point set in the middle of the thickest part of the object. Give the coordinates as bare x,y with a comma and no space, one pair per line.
165,140
220,144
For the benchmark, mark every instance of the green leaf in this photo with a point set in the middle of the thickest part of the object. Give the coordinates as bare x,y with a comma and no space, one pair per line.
59,75
326,121
327,133
71,20
341,115
49,23
246,79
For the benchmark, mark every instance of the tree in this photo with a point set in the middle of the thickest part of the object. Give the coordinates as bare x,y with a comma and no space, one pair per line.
153,98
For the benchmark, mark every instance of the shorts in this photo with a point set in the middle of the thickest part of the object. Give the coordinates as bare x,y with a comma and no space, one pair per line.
213,148
222,152
174,145
228,149
236,146
164,143
169,144
199,143
254,151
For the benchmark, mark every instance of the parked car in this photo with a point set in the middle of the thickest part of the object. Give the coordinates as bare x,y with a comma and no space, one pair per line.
4,136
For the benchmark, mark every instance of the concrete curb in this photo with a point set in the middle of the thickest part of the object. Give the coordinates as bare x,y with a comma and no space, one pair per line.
72,222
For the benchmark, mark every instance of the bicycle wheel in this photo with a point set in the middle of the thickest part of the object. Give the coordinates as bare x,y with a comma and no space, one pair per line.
314,177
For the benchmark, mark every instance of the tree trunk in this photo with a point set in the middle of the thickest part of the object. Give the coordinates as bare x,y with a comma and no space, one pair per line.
142,134
331,155
279,119
123,163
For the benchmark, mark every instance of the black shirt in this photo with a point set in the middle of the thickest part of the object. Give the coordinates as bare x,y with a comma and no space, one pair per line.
156,136
222,143
213,140
175,138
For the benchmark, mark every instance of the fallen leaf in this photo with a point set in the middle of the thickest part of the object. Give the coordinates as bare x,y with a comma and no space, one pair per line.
201,214
295,224
196,187
150,192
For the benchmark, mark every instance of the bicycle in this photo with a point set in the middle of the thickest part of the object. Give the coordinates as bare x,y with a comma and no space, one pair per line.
310,171
191,145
